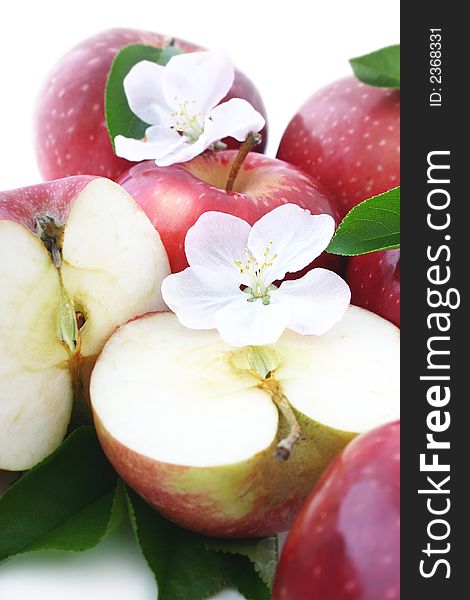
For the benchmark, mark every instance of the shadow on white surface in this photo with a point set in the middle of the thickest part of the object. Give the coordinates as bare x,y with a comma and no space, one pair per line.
114,570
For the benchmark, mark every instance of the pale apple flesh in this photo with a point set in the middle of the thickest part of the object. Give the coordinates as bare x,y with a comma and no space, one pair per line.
175,197
189,425
107,268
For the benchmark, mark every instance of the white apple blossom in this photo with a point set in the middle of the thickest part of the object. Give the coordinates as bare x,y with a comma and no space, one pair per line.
180,102
229,284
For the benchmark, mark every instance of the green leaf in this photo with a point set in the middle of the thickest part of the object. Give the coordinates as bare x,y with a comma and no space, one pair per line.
263,553
120,120
183,565
68,502
380,68
370,226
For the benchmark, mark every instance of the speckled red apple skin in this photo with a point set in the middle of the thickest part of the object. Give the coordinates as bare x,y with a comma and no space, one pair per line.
345,542
347,135
175,197
70,129
54,199
374,280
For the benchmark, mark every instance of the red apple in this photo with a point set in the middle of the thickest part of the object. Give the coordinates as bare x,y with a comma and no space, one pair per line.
174,197
347,135
345,543
70,129
374,280
78,258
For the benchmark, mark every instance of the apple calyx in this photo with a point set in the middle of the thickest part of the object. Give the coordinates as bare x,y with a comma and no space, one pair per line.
51,235
263,363
253,139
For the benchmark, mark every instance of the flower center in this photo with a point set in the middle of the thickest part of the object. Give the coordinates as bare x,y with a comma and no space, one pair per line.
189,123
259,288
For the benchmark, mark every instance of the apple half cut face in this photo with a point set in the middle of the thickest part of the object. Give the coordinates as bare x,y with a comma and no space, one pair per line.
188,423
78,258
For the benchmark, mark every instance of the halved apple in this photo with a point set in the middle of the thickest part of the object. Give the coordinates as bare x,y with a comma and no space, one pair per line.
195,428
78,258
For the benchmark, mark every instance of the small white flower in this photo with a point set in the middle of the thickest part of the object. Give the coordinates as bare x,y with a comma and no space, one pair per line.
180,102
229,284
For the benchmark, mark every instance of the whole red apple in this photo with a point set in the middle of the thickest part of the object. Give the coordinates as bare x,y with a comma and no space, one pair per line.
70,129
347,135
175,197
345,542
374,280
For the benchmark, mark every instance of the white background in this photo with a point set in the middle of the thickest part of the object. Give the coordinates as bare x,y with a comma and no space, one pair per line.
289,49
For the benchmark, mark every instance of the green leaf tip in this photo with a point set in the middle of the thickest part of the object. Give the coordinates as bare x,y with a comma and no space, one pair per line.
371,226
262,552
380,68
69,501
188,566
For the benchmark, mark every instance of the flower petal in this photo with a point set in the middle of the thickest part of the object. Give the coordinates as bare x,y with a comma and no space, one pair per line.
317,301
197,294
157,140
293,234
200,78
243,323
235,118
216,241
144,92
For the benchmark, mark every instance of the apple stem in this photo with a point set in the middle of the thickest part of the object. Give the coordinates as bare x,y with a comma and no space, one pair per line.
74,365
263,363
285,446
81,413
253,139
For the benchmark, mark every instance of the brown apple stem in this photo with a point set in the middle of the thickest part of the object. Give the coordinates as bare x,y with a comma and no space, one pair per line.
81,413
74,365
285,446
253,139
263,363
